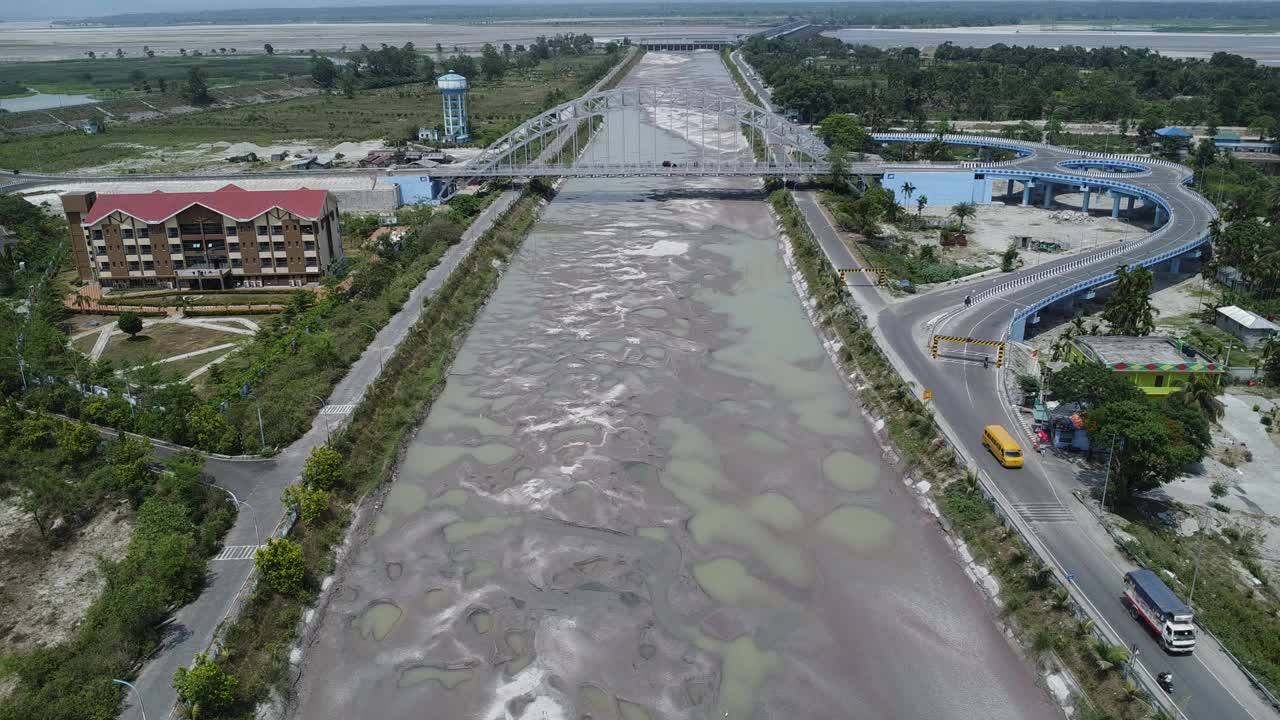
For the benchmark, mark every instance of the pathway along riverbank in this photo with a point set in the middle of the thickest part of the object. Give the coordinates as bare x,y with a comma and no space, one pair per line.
646,492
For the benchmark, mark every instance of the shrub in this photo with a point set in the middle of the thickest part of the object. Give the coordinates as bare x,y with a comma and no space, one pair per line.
129,323
1217,489
205,688
323,468
311,503
1219,506
282,565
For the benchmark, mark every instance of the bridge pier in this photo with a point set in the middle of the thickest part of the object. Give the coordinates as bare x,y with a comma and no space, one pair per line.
1160,215
1048,195
1084,207
1115,205
1175,264
1130,205
1026,192
1009,188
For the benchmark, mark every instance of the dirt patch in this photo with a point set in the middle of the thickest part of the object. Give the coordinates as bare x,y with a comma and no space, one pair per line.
996,226
45,593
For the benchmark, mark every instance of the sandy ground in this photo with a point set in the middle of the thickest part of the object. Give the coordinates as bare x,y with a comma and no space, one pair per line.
44,594
212,157
996,225
39,41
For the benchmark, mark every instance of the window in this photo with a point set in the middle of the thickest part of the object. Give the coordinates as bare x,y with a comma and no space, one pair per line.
97,234
175,249
143,233
101,252
130,249
148,265
1159,381
233,247
264,247
173,232
308,229
237,262
268,262
277,229
126,233
104,267
217,245
190,229
133,265
145,249
262,229
195,246
177,263
231,231
309,246
278,247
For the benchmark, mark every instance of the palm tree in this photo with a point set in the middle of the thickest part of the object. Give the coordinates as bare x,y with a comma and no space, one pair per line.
1202,393
964,210
920,203
908,190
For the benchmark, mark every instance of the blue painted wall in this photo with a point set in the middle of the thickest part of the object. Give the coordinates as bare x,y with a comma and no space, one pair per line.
942,188
418,189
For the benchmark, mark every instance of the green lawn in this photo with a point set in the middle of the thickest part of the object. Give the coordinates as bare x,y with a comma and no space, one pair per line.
200,300
164,340
387,112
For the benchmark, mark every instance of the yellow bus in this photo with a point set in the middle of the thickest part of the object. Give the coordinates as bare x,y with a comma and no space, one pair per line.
1001,444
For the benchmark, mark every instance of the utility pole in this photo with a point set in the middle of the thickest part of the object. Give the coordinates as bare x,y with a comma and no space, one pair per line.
142,708
1106,482
1199,551
262,432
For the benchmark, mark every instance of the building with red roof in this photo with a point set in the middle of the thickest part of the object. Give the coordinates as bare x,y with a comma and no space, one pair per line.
227,238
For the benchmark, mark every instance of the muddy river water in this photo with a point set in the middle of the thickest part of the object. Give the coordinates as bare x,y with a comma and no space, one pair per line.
647,493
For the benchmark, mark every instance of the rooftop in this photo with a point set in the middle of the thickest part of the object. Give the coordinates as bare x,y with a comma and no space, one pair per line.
1172,132
1247,319
1138,354
230,200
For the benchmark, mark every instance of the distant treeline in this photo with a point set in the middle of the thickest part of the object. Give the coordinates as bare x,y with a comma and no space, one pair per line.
877,12
821,75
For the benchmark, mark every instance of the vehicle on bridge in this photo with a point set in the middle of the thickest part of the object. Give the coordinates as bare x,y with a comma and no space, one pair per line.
1001,444
1151,601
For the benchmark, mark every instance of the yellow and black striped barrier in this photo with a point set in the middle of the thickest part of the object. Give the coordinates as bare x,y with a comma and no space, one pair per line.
882,272
933,345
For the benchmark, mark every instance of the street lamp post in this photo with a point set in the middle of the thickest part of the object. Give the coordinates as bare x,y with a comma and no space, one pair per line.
142,708
1106,482
382,352
328,428
1195,574
257,534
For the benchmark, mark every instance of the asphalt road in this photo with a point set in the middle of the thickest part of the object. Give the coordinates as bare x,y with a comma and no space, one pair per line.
967,397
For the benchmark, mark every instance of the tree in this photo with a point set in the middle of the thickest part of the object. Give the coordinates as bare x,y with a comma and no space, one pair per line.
323,71
270,50
130,323
1206,153
1092,385
1129,310
323,468
182,52
1009,258
45,496
205,688
920,203
1202,393
196,89
77,442
845,131
964,210
908,190
282,565
1271,359
1151,449
1053,130
1264,126
839,167
492,64
347,83
119,53
93,55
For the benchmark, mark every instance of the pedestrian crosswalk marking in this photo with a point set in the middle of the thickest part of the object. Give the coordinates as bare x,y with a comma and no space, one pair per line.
337,409
237,552
1043,512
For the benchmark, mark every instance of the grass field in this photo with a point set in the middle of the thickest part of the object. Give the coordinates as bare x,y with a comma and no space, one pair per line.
197,300
108,76
164,340
384,113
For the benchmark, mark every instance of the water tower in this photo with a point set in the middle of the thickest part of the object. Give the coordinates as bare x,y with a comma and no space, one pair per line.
453,88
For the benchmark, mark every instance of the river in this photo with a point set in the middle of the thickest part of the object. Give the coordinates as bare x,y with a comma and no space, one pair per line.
647,493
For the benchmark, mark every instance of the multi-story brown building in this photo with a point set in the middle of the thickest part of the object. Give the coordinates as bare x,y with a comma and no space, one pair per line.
227,238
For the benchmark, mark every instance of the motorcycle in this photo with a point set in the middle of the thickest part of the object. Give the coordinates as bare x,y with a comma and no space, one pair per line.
1166,681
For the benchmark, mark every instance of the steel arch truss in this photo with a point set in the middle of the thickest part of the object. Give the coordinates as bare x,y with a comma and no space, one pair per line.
514,153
